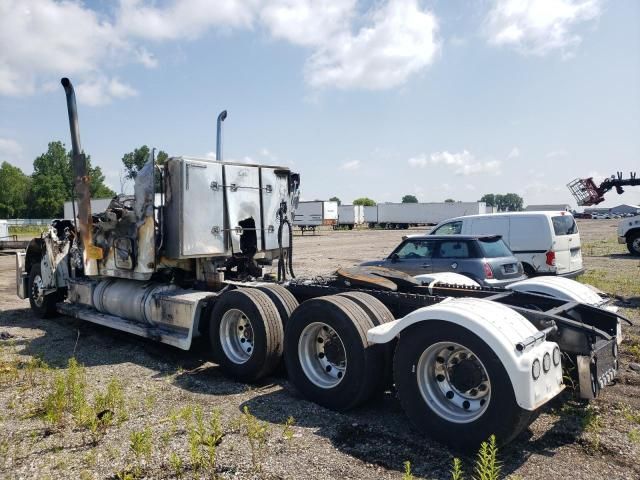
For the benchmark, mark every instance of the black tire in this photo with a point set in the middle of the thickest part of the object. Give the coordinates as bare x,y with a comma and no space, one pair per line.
379,314
268,335
283,299
46,306
502,417
364,363
633,243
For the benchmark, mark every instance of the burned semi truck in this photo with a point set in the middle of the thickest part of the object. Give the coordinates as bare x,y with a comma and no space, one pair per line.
465,362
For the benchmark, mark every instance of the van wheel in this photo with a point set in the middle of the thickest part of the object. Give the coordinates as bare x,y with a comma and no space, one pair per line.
633,243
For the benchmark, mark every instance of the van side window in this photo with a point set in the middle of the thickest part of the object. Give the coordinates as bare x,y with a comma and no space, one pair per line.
452,249
564,225
451,228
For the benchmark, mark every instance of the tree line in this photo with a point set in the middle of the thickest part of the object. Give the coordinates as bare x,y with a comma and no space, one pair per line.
43,193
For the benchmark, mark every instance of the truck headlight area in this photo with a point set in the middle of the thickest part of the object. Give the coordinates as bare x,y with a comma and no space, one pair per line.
535,369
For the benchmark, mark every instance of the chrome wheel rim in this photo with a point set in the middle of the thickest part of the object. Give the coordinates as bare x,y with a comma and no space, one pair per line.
236,336
454,382
322,355
37,290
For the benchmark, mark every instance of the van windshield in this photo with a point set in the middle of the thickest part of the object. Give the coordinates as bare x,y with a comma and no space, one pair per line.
564,225
494,247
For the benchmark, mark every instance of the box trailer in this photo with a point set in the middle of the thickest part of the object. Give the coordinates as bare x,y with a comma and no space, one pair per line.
371,215
404,215
350,216
310,215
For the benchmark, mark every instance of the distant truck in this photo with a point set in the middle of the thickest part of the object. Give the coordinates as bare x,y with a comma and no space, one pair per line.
310,215
629,233
405,215
350,216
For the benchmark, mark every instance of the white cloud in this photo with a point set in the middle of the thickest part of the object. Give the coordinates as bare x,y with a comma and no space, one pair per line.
45,39
514,153
350,165
210,155
9,149
100,91
399,41
463,163
557,154
182,18
539,26
307,22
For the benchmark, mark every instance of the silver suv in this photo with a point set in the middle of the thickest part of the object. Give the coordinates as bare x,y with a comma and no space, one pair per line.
484,258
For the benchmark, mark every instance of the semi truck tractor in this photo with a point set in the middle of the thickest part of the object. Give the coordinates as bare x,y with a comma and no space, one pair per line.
465,362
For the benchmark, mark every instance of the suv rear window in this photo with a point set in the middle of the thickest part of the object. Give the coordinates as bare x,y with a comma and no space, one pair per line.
494,248
564,225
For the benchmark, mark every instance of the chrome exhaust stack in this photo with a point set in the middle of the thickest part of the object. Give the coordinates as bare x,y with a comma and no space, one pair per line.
221,118
81,184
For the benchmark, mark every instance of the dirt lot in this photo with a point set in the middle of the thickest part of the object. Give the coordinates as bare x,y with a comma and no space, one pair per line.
162,388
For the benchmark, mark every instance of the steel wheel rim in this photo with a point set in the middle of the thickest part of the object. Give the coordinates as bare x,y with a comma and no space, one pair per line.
37,290
445,387
236,336
635,244
322,355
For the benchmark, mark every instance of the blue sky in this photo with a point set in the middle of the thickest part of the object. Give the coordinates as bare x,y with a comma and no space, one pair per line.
434,98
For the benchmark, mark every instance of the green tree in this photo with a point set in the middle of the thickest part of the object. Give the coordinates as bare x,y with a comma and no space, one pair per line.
367,202
489,199
509,202
14,191
134,161
52,182
449,200
335,199
409,199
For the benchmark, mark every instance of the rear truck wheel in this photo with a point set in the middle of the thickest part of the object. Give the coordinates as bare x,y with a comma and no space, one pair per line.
633,243
246,334
283,299
327,355
378,314
454,388
42,305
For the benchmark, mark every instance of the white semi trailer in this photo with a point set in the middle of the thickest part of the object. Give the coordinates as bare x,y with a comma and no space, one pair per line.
312,215
350,216
403,215
466,362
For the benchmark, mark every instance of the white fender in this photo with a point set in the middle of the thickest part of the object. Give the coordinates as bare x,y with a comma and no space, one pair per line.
501,328
563,289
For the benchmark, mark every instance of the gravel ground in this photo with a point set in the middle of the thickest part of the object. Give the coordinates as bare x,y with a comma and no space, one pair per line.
567,440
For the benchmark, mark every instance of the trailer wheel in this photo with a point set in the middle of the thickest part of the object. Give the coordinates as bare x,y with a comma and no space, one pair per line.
453,387
327,355
633,243
42,305
246,334
283,299
379,314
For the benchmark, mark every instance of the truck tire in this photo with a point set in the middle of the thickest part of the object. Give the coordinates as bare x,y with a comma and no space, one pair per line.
246,334
42,305
453,387
283,299
378,314
327,355
633,243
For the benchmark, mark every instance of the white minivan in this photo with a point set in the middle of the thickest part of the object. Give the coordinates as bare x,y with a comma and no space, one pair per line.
547,243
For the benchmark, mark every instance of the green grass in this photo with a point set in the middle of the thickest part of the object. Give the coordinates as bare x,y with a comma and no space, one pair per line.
487,465
34,230
602,248
618,282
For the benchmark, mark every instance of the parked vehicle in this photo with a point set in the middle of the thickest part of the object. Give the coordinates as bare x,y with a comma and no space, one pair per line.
629,233
485,259
404,215
547,243
465,362
311,215
350,216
